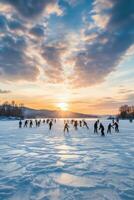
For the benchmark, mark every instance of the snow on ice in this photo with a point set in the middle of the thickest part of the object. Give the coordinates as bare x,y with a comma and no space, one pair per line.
38,164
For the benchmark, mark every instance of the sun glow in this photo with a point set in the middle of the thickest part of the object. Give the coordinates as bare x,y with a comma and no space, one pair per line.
63,106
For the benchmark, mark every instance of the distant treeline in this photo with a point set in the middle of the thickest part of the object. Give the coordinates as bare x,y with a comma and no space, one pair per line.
126,112
11,110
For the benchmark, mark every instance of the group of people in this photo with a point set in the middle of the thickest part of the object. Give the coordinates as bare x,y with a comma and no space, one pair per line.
100,126
75,123
97,126
31,123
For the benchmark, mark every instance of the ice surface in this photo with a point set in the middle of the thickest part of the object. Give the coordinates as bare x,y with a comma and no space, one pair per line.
38,164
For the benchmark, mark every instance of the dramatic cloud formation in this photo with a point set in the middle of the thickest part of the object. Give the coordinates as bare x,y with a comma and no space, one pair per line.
33,8
113,35
36,39
14,63
52,55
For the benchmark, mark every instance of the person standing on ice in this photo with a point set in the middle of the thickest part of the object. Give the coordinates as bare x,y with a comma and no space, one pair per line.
31,124
39,122
85,124
47,121
36,122
20,124
116,125
109,128
66,127
50,125
26,123
80,123
96,126
102,129
131,120
75,125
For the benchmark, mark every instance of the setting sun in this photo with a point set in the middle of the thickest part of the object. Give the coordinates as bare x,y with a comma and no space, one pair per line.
63,106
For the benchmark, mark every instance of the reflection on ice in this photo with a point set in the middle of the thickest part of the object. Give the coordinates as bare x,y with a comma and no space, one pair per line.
75,181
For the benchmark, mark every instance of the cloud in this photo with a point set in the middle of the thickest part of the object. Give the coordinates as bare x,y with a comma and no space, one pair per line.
4,91
130,99
15,24
52,55
11,23
38,30
14,63
3,23
114,37
125,91
34,8
21,39
29,43
73,2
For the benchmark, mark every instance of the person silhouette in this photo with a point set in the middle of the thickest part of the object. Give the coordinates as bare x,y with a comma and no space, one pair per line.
66,127
50,125
25,123
31,124
116,125
130,120
36,122
80,123
96,126
102,129
75,125
109,128
20,124
85,124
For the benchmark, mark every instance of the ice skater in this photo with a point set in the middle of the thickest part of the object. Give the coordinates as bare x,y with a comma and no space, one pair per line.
36,123
76,125
96,126
109,128
102,129
20,124
66,127
50,125
116,125
31,124
130,120
47,121
80,123
85,124
26,123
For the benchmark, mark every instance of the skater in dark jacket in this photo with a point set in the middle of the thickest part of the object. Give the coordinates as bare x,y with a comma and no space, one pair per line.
26,123
96,126
109,128
85,124
50,125
20,124
102,129
116,125
66,127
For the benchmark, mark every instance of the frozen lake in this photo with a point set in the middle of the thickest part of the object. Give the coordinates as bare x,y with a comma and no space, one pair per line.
38,164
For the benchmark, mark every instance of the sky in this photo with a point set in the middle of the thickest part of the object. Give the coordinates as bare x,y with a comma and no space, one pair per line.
76,55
